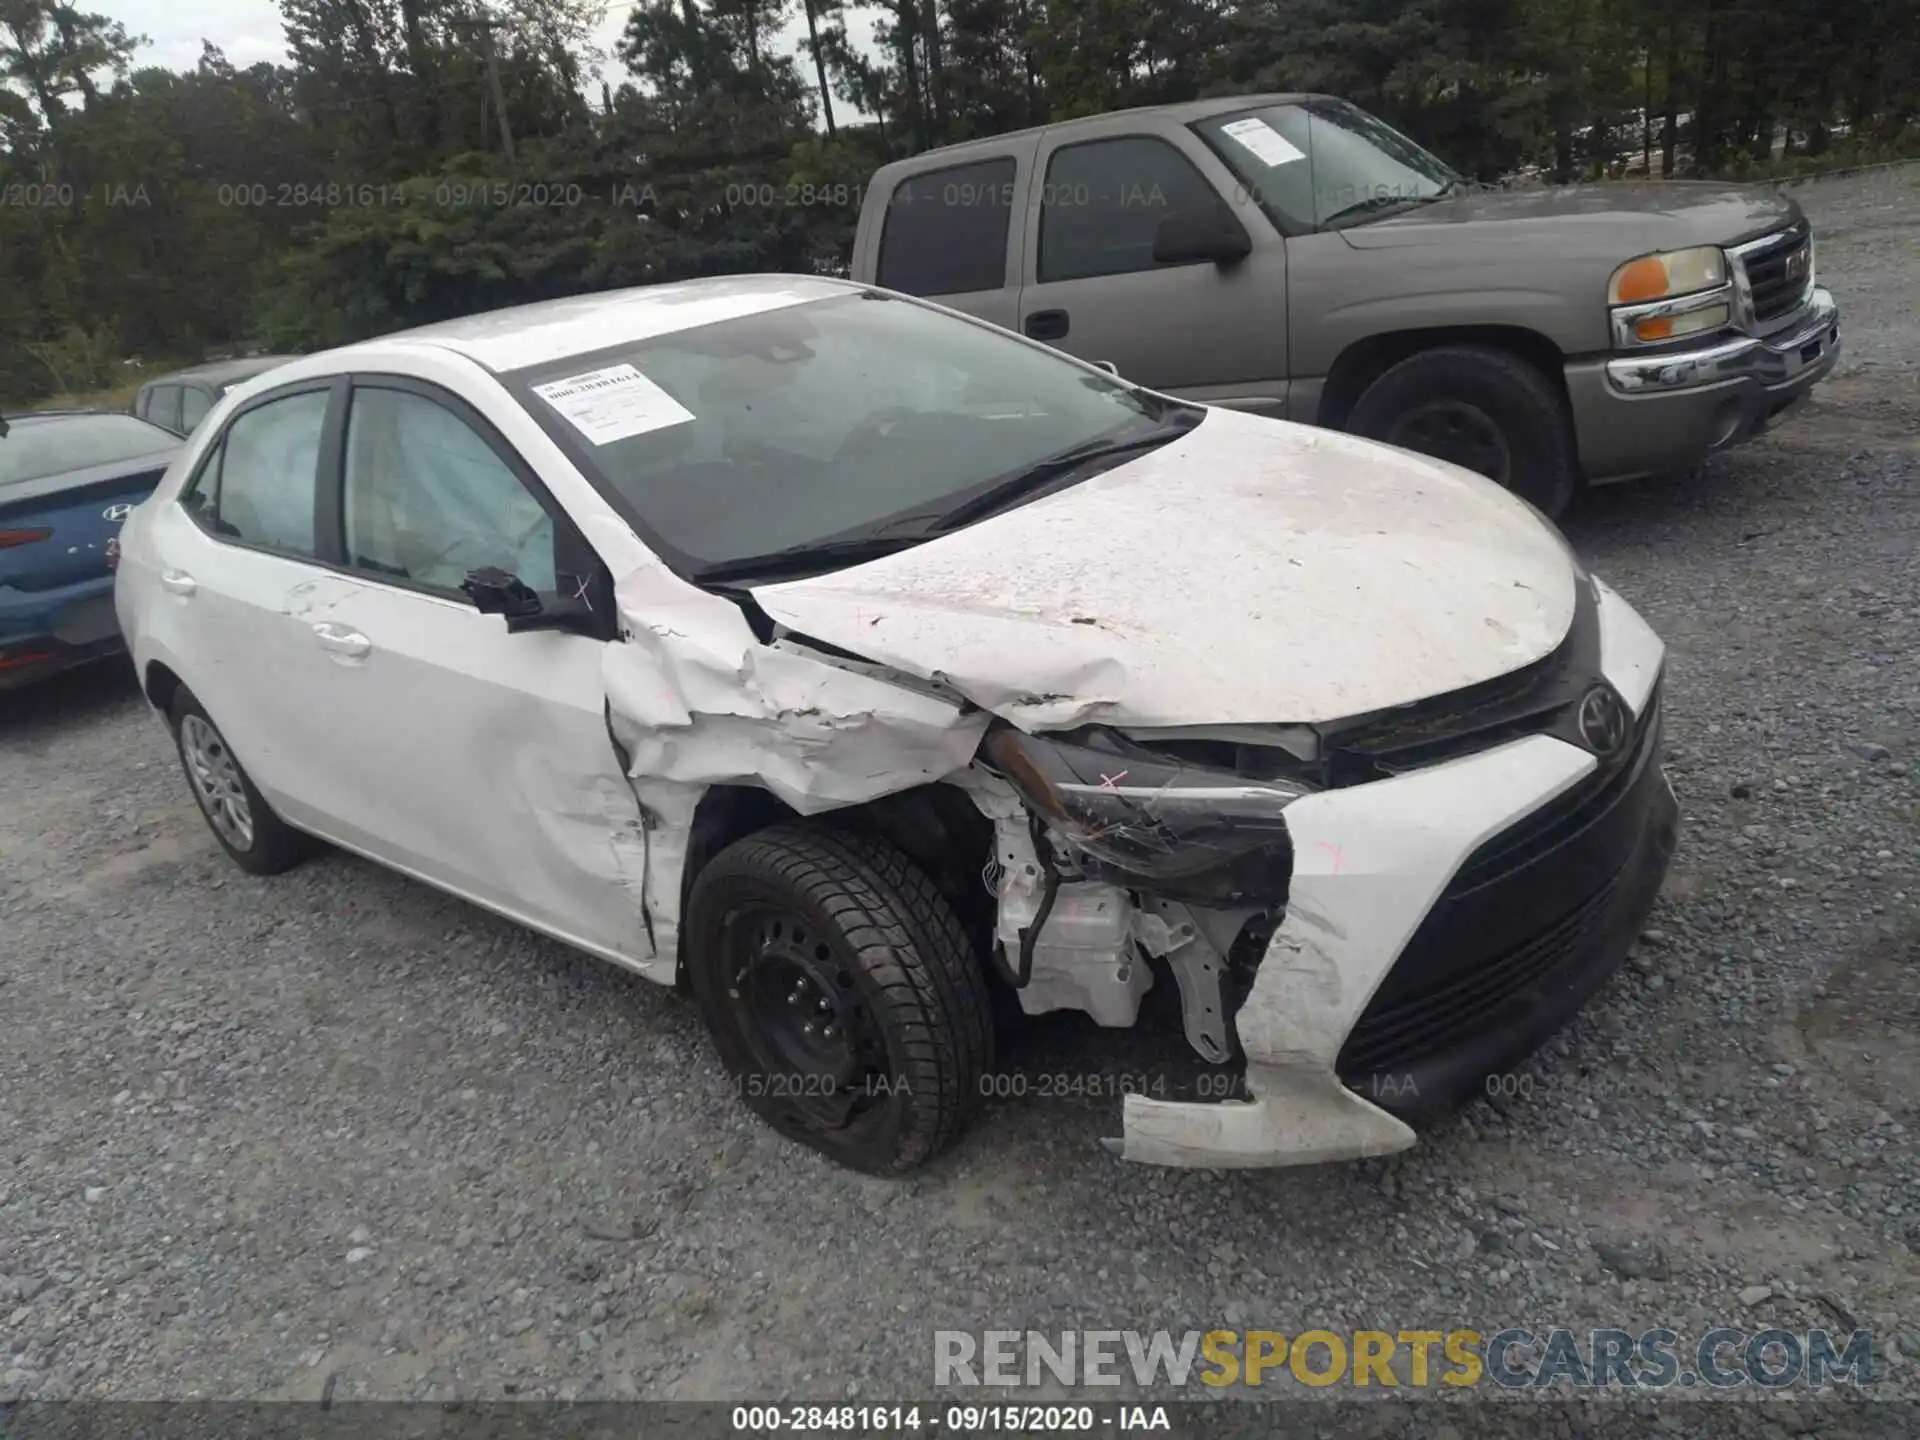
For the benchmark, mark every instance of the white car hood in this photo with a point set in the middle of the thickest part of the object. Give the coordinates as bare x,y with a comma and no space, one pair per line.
1253,571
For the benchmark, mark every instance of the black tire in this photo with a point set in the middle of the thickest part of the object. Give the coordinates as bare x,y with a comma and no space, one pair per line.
887,961
270,844
1462,389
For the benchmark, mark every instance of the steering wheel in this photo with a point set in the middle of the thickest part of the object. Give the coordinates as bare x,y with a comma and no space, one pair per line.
864,436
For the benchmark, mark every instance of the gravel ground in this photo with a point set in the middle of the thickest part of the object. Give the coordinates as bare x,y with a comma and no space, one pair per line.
338,1132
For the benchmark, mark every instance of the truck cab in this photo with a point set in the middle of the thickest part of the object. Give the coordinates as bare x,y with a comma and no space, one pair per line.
1294,256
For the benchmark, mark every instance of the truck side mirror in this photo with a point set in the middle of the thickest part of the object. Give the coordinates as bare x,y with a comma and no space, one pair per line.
1188,236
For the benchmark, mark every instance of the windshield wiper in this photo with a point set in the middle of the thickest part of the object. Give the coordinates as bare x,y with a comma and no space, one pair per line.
1375,206
1036,477
813,555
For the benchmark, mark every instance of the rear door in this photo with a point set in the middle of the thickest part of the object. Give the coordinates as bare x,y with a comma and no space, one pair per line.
949,234
1091,287
237,558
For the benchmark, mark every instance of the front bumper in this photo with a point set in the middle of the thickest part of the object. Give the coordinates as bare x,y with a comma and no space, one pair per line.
1647,414
1439,926
44,631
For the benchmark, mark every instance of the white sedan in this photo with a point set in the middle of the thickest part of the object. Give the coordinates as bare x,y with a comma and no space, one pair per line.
851,659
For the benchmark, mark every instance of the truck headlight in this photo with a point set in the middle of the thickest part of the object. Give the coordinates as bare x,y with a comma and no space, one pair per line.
1661,277
1182,831
1658,298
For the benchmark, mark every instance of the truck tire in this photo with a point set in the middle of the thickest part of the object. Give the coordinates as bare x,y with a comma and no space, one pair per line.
1488,410
841,993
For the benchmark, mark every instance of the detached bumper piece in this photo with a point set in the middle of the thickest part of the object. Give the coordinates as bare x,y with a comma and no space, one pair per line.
1530,927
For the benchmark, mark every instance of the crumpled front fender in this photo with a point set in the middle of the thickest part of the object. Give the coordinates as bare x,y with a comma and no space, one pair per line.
1369,863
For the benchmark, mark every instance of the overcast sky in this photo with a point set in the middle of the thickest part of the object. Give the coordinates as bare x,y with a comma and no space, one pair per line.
250,30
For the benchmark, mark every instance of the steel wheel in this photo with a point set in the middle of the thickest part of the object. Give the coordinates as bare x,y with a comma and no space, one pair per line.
1454,431
816,1044
215,777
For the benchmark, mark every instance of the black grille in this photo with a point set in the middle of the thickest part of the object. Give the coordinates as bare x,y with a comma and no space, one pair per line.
1565,815
1523,907
1385,1039
1777,277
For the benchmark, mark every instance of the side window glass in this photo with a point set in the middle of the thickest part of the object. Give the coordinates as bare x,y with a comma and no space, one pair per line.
428,500
258,485
194,405
164,407
946,231
1102,202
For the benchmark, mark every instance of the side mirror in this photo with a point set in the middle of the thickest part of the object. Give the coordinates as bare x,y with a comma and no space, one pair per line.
497,592
1188,236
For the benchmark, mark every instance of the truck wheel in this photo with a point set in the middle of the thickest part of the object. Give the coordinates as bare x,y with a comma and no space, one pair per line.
1483,409
841,993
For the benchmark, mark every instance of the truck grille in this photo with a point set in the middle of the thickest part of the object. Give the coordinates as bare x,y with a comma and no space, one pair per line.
1779,273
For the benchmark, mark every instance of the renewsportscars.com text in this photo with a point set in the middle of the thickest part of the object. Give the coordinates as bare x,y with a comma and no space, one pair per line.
1516,1359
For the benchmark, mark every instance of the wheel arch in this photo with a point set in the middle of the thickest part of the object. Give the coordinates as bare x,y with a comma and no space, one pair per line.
937,826
1367,359
161,686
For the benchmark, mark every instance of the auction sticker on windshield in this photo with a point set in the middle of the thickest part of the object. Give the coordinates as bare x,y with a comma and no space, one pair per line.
1266,143
613,403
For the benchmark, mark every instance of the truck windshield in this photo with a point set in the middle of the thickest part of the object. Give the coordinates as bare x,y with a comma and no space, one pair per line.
818,427
1325,164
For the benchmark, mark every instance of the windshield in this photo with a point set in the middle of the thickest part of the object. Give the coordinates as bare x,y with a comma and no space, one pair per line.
828,421
1325,164
34,449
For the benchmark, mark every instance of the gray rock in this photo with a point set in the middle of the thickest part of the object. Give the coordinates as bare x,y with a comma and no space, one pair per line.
1755,1294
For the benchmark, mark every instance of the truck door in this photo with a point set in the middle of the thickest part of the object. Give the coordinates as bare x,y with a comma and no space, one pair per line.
948,234
1205,330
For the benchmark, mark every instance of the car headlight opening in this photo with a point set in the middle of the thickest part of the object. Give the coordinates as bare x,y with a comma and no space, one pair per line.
1182,831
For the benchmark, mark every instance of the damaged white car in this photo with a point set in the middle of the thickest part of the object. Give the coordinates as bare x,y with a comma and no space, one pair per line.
845,658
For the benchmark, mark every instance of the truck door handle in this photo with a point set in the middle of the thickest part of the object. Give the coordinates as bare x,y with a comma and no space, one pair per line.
177,582
347,643
1046,325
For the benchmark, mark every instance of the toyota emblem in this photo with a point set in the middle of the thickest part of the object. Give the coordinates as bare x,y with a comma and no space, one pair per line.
1604,722
117,513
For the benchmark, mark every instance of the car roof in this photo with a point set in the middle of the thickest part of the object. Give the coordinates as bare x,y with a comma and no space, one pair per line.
223,372
1185,112
77,412
522,336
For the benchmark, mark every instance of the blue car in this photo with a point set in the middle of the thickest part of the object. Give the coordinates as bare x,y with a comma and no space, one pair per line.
67,480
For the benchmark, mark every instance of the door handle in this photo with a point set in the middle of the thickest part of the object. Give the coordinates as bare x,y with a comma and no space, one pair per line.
342,640
1046,325
177,582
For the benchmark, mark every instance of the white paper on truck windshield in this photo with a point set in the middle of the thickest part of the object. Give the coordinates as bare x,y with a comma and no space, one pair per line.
1263,141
